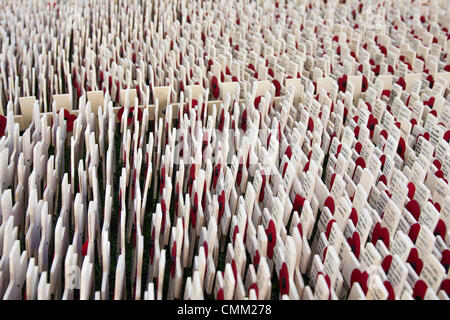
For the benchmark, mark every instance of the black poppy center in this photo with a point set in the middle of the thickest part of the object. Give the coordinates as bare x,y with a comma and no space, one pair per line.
269,237
283,283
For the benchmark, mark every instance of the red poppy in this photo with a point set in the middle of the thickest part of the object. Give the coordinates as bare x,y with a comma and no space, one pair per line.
191,178
420,288
257,102
383,179
310,124
413,207
277,85
342,82
254,286
235,232
430,79
355,244
371,124
244,120
361,278
439,174
284,169
239,174
173,257
401,148
376,70
283,279
380,233
360,163
221,120
414,232
220,295
447,68
445,286
356,132
354,216
383,50
333,177
194,211
441,229
386,264
263,187
256,260
429,102
130,116
338,150
298,203
164,214
364,84
329,203
288,152
221,200
215,87
84,248
329,227
401,82
386,93
390,69
411,190
327,280
445,260
390,290
300,229
271,238
70,118
414,260
251,67
447,136
437,164
384,134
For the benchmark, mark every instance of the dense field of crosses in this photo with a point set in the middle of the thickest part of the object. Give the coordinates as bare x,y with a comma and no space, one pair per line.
224,149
